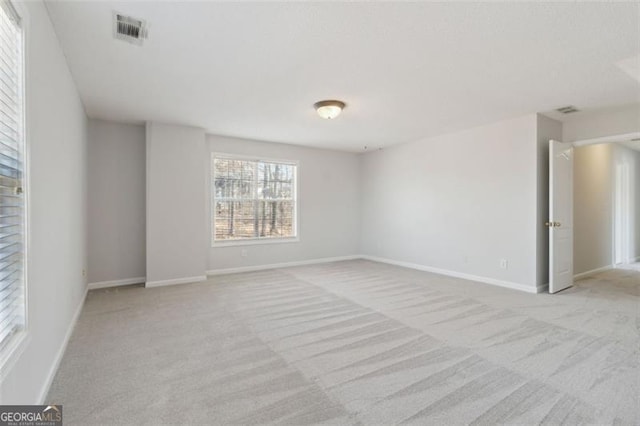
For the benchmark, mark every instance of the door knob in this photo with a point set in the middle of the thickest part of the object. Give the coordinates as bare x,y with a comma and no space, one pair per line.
556,224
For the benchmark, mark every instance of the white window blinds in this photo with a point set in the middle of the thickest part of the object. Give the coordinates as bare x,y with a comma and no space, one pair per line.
12,294
253,199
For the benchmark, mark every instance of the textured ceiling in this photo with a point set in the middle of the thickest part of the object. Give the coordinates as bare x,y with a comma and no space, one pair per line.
406,70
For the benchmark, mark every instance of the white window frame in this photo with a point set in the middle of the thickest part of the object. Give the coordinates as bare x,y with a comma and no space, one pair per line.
256,240
20,340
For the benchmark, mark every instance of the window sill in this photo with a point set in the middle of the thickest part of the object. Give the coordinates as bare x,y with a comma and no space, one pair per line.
254,242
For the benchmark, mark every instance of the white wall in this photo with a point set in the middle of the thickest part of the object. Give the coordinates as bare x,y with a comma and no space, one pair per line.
329,213
176,202
547,129
459,202
56,140
596,124
593,208
116,202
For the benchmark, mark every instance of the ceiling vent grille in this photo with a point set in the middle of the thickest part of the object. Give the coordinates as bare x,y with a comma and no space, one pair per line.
129,29
567,109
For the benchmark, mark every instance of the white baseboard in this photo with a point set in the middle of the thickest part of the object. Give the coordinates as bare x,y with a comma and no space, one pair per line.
185,280
116,283
281,265
486,280
593,271
56,363
506,284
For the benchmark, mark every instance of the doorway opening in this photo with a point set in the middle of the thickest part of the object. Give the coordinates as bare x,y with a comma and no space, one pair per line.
622,216
602,188
626,216
607,207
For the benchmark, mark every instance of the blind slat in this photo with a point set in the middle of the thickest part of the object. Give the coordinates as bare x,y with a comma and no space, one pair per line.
4,257
11,275
9,235
11,263
8,326
8,296
8,283
9,144
10,134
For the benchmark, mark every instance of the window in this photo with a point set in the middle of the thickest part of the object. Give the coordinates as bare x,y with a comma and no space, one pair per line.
12,203
253,199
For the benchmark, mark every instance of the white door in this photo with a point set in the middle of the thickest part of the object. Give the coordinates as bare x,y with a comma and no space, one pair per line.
560,216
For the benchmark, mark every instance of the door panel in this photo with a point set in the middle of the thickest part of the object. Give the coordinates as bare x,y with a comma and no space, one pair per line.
560,216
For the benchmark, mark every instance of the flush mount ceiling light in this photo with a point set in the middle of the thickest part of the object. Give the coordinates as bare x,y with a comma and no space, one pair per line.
329,109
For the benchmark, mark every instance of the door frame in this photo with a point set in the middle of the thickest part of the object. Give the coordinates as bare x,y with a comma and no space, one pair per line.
625,137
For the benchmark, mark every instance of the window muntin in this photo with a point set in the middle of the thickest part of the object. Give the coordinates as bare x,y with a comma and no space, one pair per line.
253,199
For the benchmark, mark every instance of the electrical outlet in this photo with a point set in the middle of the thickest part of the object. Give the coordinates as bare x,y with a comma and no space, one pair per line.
84,272
504,264
243,252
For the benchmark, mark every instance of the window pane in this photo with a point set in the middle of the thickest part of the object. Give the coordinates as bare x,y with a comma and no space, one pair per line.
253,199
235,219
234,179
275,181
234,188
276,219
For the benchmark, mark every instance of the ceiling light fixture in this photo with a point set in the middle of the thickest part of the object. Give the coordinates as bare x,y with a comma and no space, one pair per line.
329,109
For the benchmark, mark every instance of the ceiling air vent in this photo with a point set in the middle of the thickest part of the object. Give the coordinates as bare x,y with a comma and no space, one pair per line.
129,29
568,109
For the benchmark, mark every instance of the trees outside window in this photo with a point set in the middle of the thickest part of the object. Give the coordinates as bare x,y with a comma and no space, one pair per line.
253,199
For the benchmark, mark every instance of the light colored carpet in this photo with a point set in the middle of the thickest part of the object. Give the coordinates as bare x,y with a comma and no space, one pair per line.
633,266
355,343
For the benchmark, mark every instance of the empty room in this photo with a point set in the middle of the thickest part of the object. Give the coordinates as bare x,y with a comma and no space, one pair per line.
319,213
